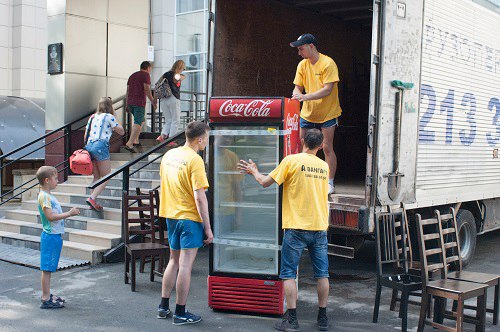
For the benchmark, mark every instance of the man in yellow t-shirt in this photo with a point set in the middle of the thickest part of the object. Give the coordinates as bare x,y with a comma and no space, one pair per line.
305,220
184,204
316,85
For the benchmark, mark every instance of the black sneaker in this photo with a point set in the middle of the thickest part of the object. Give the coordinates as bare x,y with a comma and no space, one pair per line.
286,325
163,313
323,323
187,318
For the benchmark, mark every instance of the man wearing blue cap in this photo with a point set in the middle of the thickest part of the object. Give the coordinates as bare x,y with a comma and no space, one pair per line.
316,85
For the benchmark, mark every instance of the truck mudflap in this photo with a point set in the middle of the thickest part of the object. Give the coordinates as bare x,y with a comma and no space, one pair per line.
349,214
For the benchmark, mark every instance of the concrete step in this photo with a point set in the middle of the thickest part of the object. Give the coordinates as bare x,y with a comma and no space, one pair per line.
115,164
142,149
127,156
100,239
76,222
70,249
105,201
115,182
85,210
82,189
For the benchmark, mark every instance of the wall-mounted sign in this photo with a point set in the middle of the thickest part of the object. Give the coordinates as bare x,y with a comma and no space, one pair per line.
151,53
55,59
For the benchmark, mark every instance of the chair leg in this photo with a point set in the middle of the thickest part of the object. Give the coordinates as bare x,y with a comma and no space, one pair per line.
127,269
481,312
377,302
495,304
460,315
394,299
403,310
133,272
152,271
429,307
423,311
143,263
439,309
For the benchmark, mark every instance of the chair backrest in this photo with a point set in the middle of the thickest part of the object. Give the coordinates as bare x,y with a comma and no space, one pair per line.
409,252
451,241
430,246
159,224
145,219
391,240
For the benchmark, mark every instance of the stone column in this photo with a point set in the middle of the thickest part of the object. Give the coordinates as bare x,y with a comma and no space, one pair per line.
104,41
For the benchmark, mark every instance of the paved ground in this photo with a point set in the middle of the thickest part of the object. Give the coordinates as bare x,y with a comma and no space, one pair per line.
98,300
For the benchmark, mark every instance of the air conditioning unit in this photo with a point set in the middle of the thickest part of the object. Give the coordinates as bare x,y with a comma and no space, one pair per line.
193,61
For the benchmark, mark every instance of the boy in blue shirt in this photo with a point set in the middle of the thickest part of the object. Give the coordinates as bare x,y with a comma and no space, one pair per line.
53,227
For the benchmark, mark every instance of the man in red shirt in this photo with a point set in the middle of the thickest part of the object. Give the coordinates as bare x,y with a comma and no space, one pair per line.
138,88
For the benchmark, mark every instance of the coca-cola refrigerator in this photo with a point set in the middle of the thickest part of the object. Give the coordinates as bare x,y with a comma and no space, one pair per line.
246,218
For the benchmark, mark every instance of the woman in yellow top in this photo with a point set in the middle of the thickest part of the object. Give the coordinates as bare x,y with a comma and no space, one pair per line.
316,85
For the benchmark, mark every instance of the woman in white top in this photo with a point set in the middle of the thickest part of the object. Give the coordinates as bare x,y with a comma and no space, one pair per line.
171,105
100,128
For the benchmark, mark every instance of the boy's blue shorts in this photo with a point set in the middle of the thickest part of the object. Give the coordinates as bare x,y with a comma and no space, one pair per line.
50,251
184,234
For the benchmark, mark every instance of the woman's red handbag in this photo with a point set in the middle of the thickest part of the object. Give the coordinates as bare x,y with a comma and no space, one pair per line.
80,162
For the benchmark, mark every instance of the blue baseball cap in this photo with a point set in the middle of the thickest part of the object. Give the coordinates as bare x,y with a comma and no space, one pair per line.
306,38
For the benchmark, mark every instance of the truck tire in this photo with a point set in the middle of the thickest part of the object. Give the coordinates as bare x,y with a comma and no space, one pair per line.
467,233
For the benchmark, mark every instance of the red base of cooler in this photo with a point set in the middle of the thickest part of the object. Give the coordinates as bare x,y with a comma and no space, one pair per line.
248,295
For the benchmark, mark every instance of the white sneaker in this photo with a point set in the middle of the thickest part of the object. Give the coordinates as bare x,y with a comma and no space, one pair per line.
331,189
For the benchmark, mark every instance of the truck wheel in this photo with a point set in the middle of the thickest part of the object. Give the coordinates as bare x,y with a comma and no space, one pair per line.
467,233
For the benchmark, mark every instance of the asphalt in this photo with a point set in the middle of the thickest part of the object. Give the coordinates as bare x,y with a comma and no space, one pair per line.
98,299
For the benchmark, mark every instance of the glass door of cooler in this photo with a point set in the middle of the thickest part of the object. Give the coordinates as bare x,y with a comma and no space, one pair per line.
245,215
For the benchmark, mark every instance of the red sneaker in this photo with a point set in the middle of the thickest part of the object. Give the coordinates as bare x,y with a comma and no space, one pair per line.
93,204
161,138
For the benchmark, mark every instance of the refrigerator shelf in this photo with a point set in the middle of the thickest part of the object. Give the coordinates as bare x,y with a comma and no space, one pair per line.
248,147
236,173
248,205
245,236
247,244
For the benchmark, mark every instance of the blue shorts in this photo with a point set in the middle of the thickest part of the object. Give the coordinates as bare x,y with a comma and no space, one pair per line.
294,242
184,234
309,125
50,251
99,150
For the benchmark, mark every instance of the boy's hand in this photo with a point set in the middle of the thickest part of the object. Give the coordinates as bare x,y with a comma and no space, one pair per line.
247,167
74,212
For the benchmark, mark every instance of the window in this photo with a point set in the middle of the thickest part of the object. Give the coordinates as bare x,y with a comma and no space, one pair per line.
191,22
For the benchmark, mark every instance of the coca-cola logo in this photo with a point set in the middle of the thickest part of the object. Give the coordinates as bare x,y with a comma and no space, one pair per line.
292,122
254,108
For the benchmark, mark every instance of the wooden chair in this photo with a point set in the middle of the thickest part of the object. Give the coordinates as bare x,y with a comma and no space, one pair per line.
413,265
144,225
388,252
160,228
451,241
431,246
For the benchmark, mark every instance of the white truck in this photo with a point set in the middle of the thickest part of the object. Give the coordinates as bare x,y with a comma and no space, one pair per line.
425,147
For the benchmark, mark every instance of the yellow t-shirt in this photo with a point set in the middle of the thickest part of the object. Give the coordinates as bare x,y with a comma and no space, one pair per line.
313,78
305,192
182,171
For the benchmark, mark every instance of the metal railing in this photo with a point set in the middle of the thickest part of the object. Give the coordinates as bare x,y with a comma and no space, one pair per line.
68,150
195,110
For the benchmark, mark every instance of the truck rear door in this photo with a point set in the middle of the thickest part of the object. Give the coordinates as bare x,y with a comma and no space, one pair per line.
395,110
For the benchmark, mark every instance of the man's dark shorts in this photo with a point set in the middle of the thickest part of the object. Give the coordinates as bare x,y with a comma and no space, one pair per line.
138,112
294,242
310,125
